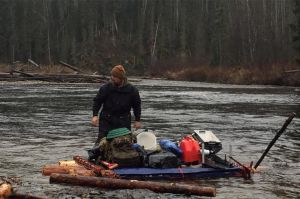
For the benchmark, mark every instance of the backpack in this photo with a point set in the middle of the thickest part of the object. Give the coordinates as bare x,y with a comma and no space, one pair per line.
120,151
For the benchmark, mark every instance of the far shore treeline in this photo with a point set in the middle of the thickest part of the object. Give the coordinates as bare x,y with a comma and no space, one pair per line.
231,41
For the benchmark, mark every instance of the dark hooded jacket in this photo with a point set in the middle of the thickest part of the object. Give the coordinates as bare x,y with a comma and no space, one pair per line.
116,103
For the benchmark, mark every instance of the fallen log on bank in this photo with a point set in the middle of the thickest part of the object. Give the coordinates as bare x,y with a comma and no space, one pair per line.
70,66
22,73
111,183
33,63
292,71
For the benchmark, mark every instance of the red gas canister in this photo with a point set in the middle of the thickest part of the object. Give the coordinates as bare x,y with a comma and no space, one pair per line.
190,150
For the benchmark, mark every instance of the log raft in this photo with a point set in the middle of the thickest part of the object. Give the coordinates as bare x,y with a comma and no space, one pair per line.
69,172
111,183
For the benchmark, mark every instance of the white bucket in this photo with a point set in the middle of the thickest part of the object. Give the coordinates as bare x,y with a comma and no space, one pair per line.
147,140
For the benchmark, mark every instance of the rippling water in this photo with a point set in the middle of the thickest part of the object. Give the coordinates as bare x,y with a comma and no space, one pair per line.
42,123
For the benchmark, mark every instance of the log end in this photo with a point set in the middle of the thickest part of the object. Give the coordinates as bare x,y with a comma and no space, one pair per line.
5,190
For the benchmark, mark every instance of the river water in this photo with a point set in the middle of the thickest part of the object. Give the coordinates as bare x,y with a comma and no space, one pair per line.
42,123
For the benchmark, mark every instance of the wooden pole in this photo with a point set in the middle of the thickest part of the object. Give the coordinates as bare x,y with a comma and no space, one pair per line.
112,183
287,122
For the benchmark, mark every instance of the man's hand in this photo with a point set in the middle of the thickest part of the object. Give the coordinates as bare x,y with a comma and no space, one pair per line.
137,125
95,121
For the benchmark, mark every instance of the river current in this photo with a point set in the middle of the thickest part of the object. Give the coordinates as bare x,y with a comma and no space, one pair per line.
42,123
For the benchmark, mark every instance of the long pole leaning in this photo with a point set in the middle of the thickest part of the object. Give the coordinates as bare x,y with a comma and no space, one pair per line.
287,122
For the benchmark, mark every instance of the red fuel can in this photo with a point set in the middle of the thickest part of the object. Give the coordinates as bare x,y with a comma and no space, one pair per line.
190,150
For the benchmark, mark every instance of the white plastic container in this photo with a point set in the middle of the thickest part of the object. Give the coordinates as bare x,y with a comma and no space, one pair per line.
147,139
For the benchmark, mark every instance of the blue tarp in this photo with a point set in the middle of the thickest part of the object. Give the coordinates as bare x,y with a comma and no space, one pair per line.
177,172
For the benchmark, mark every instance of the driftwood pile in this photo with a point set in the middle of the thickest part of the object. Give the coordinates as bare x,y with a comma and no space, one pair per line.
78,77
71,78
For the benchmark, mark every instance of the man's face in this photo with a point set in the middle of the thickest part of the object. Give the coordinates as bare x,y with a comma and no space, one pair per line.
116,80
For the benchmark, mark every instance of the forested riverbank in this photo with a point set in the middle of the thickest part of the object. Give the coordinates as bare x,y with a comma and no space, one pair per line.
275,75
228,41
271,75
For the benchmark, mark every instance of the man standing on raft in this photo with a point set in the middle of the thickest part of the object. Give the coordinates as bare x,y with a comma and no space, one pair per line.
116,98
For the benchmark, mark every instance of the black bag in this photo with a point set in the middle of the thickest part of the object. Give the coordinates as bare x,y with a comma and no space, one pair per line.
120,151
164,159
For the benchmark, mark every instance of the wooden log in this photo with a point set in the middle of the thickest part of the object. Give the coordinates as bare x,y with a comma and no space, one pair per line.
23,73
49,169
67,163
22,196
5,75
5,190
70,66
72,170
97,169
292,71
112,183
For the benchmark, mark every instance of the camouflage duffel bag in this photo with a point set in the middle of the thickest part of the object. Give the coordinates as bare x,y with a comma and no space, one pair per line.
120,151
